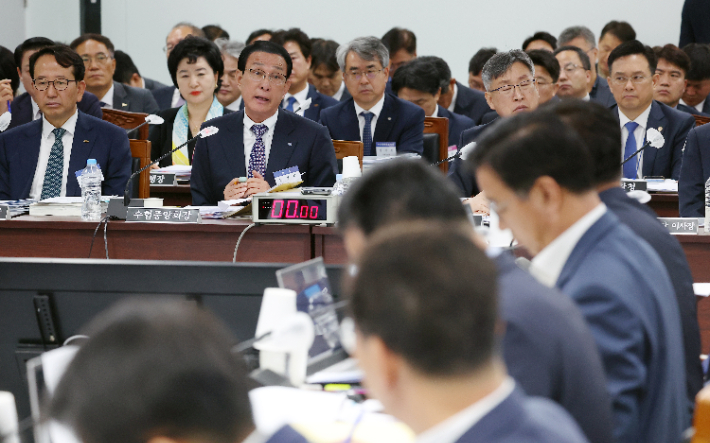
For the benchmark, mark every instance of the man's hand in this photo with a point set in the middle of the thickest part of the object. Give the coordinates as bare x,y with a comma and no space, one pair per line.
478,204
235,190
5,95
256,184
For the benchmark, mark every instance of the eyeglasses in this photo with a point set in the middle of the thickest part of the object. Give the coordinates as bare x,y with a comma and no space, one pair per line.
524,86
274,79
100,59
571,67
60,84
370,74
620,80
168,48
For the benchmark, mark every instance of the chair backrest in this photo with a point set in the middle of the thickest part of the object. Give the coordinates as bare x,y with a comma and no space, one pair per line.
346,148
701,417
127,120
140,150
701,120
431,147
439,125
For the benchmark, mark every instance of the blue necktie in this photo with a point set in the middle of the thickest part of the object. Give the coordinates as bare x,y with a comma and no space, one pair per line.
52,185
630,148
257,158
289,103
367,132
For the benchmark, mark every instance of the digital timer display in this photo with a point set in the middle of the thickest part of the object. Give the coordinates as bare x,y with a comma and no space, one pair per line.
292,209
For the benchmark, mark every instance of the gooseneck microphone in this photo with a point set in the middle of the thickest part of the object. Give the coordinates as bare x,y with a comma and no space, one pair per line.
150,119
654,138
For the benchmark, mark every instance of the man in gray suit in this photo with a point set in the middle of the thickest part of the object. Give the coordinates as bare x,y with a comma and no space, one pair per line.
97,52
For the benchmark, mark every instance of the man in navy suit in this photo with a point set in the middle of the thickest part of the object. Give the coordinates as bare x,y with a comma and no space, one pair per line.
24,106
538,176
263,138
697,88
302,97
326,75
632,66
38,160
601,132
672,67
372,115
694,173
546,345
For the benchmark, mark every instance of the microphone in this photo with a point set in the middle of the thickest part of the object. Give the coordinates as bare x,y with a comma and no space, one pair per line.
150,119
448,159
653,138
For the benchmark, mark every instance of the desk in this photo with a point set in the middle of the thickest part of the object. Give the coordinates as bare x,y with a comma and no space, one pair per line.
172,195
664,204
211,240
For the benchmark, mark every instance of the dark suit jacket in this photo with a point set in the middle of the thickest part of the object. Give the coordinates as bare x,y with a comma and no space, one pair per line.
457,124
400,121
643,222
128,98
471,103
549,350
297,142
164,97
151,84
161,137
689,110
459,173
287,435
694,172
319,102
601,93
694,22
22,108
624,292
346,95
522,419
674,127
94,138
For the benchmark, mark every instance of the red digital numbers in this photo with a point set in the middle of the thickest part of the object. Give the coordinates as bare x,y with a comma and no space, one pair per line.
292,210
277,204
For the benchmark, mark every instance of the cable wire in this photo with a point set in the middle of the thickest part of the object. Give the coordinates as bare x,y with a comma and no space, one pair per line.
241,236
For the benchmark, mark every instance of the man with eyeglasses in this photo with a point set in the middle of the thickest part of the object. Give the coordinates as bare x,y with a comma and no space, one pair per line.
632,66
575,73
263,138
547,73
97,53
372,115
38,160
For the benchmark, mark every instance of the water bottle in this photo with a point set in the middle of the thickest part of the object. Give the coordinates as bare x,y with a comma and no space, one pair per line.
338,186
90,182
707,205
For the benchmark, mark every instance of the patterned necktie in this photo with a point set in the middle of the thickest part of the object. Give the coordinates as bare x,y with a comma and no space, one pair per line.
289,103
52,185
257,159
367,132
630,148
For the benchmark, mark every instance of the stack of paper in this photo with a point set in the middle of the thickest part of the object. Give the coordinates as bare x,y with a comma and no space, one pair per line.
182,172
63,206
667,185
18,207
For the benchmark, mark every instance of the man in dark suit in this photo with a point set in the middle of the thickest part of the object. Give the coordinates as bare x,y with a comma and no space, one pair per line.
302,97
372,115
697,88
325,74
538,176
546,345
24,106
263,138
671,68
547,73
694,173
97,52
601,133
126,72
38,160
638,112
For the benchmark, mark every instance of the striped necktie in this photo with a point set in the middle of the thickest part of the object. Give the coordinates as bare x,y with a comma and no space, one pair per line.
52,185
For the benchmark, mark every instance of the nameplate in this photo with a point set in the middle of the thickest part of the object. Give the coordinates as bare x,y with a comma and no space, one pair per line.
386,149
161,179
176,215
288,175
680,225
634,185
4,212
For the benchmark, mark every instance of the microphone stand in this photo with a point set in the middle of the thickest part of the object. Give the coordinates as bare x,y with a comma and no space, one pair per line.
645,145
448,159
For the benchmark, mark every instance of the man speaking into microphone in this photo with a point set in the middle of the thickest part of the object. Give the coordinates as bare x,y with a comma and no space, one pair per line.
261,139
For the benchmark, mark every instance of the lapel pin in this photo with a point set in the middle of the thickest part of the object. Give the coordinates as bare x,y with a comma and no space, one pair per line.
315,105
289,144
660,128
124,104
86,141
389,118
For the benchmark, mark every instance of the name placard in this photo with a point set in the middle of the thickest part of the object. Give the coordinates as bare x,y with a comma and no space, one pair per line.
634,185
680,225
4,212
164,215
386,149
162,179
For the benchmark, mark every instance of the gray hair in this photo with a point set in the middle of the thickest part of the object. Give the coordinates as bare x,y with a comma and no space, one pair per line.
367,48
500,63
232,48
194,30
573,32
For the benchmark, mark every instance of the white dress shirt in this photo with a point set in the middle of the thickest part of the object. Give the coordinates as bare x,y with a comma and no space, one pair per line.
108,97
234,106
301,98
639,135
338,95
177,99
586,98
698,107
250,137
453,99
451,429
377,110
547,265
45,147
435,113
36,113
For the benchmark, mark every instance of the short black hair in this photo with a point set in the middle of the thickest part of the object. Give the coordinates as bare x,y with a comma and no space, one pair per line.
96,37
479,59
213,32
541,35
430,294
631,48
442,70
125,68
418,75
400,190
155,368
192,48
30,44
294,35
323,53
65,57
547,60
599,129
699,54
621,30
522,148
400,38
258,33
673,55
268,47
583,57
8,68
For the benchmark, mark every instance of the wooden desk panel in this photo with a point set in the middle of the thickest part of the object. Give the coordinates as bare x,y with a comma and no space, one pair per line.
172,195
665,205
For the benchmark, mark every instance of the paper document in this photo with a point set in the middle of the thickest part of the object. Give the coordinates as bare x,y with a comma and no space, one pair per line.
701,289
